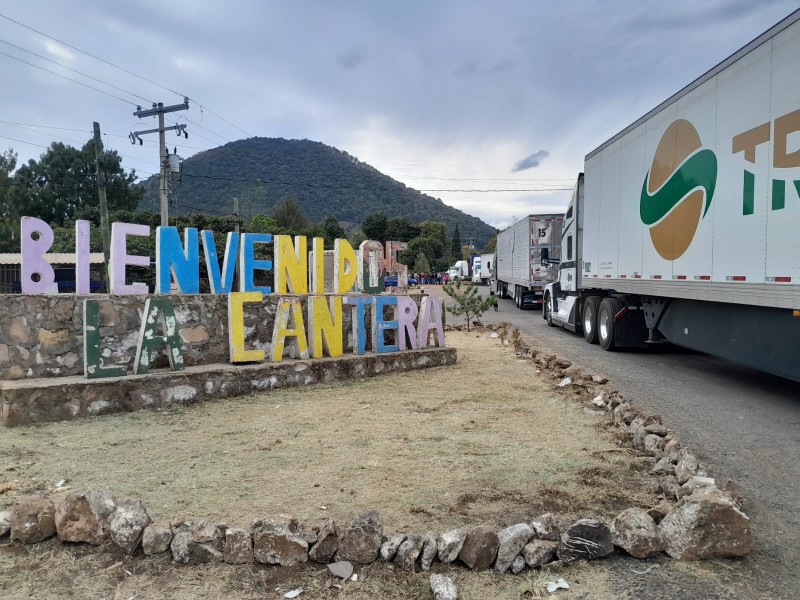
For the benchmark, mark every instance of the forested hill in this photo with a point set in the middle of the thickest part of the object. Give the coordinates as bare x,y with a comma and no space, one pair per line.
261,171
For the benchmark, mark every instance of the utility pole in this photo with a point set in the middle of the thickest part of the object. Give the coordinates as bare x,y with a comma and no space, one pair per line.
101,191
160,110
236,212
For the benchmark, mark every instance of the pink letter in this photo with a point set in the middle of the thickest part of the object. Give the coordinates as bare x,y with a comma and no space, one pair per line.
407,313
37,239
120,258
82,257
430,318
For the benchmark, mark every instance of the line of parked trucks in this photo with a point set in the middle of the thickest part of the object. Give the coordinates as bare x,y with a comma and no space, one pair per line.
685,226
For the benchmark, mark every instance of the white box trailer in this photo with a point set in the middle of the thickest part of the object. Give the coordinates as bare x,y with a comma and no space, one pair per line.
486,269
519,272
685,226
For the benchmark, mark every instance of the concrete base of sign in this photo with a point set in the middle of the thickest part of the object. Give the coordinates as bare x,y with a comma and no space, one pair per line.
61,398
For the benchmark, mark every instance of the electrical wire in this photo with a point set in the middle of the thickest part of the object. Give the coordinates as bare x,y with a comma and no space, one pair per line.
94,56
86,85
50,60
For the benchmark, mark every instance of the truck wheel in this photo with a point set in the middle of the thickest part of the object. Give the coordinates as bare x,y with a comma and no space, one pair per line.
517,297
606,324
547,309
589,323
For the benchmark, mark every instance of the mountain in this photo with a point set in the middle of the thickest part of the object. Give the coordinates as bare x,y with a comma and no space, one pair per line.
261,171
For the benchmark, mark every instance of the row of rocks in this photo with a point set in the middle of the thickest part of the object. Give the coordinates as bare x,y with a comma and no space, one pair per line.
689,531
707,522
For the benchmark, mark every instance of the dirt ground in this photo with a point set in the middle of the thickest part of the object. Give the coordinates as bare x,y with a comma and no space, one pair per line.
487,441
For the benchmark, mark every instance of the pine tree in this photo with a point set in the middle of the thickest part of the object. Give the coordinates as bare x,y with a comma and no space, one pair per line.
455,246
468,302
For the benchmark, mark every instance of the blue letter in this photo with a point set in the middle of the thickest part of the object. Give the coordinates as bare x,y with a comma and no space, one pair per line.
248,263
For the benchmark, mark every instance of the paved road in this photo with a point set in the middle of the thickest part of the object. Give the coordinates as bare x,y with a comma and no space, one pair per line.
743,424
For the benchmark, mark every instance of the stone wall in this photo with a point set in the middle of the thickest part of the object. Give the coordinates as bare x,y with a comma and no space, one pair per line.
59,398
42,336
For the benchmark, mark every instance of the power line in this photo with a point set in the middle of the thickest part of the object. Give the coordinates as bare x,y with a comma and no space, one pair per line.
86,85
94,56
111,85
23,142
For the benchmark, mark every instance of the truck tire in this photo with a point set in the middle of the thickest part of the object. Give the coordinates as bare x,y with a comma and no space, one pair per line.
591,306
547,309
517,297
606,324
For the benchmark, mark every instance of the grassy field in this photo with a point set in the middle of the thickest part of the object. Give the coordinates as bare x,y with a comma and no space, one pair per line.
486,441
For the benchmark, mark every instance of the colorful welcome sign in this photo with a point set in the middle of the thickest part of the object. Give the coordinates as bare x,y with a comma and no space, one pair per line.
296,271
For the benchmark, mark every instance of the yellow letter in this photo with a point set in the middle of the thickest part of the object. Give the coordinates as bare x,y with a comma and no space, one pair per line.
325,321
236,301
345,269
317,271
291,265
281,330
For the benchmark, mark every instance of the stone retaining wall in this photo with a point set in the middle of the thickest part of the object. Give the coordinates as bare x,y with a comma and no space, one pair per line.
42,336
53,399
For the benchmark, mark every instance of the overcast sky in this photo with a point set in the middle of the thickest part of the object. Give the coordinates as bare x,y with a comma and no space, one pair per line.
442,95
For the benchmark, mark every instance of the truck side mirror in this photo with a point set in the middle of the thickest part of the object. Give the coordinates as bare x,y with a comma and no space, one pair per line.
545,257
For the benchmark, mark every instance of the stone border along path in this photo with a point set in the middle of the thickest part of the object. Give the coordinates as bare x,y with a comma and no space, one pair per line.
706,522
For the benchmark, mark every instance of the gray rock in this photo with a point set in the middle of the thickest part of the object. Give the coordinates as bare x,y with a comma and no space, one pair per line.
277,541
601,379
428,551
33,520
480,548
342,569
156,538
546,528
687,467
664,467
443,588
670,486
188,552
450,544
518,564
635,531
361,542
653,444
657,429
539,552
586,539
309,535
707,524
238,548
390,546
512,540
5,522
408,552
85,516
697,482
207,532
327,543
127,525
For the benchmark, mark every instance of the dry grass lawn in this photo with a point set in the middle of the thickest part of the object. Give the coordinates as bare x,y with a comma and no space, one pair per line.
486,441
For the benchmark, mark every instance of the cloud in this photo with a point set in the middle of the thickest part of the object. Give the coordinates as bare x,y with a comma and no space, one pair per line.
530,162
59,51
352,58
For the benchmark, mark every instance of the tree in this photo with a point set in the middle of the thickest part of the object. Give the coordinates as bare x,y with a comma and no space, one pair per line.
468,301
9,217
263,224
376,227
430,247
356,237
455,246
490,245
421,264
434,229
400,230
61,186
331,230
289,215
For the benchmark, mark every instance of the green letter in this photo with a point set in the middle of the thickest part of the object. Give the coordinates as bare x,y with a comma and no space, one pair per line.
158,312
92,363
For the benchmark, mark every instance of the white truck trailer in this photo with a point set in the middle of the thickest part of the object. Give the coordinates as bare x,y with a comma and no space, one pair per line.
486,269
519,271
685,226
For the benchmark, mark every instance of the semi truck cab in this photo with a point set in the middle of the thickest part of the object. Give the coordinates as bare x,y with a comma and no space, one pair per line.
561,300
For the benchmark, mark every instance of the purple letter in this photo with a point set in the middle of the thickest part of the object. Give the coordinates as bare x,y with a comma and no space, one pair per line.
33,260
82,257
121,259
